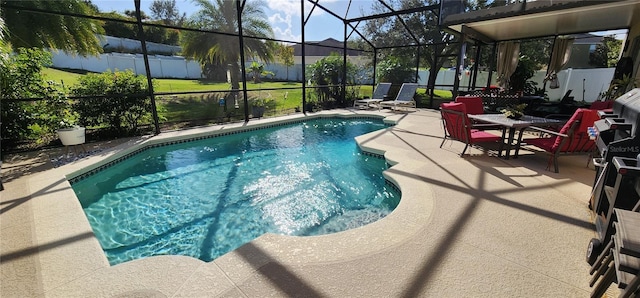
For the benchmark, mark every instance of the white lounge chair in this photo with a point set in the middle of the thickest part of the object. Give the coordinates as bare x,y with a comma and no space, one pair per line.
404,97
378,95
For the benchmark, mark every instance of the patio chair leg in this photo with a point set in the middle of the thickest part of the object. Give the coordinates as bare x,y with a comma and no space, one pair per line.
465,149
555,163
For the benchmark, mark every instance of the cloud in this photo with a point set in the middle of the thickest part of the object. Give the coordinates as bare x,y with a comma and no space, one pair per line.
282,12
292,7
288,7
286,34
282,27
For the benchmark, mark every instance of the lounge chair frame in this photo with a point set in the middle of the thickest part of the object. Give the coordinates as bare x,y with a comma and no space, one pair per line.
376,98
404,99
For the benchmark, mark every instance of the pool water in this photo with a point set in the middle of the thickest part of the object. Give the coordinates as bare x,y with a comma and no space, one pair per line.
208,197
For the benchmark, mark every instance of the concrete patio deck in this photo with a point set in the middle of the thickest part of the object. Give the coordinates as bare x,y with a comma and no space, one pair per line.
472,226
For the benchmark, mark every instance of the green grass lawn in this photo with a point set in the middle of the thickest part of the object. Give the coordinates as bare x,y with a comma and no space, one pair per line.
61,76
283,97
185,85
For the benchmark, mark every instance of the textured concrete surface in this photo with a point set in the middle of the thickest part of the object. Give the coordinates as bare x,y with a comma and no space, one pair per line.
472,226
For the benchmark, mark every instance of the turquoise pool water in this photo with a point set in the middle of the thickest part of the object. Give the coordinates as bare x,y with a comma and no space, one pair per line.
208,197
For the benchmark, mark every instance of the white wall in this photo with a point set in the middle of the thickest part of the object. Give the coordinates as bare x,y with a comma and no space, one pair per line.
596,81
593,81
110,42
160,66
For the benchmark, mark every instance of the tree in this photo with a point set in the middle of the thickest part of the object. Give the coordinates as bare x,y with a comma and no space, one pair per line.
132,14
422,28
167,12
393,71
285,55
257,70
520,79
606,53
128,30
223,49
72,34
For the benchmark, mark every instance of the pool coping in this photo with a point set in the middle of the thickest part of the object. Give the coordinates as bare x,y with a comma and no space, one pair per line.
410,216
505,228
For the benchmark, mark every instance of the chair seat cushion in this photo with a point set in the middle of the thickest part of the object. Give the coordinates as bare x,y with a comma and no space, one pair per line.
545,144
478,136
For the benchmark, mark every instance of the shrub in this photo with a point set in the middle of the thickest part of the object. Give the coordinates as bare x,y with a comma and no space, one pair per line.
327,74
118,100
21,78
394,70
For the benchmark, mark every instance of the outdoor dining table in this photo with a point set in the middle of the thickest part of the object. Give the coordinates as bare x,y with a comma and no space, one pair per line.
511,125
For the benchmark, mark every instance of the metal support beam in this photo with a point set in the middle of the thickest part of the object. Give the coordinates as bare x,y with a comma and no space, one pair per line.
302,48
344,66
459,66
476,59
239,8
395,13
417,64
375,62
492,64
145,56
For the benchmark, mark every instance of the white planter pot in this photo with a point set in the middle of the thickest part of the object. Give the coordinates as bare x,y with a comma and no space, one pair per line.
71,136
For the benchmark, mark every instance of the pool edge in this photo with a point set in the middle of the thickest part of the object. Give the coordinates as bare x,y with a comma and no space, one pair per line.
406,220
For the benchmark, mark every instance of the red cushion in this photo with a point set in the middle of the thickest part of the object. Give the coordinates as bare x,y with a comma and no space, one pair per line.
455,126
601,105
586,117
473,104
579,140
479,136
545,144
458,131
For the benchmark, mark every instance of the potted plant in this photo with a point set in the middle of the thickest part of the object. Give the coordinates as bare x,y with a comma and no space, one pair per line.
514,112
258,107
618,87
311,104
70,133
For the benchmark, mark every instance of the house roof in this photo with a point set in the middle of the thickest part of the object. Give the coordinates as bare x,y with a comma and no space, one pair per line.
323,48
534,19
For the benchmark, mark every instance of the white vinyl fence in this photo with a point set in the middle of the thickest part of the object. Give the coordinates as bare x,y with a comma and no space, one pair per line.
586,84
160,66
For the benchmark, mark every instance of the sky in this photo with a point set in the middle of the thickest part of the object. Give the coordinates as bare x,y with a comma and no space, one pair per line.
283,15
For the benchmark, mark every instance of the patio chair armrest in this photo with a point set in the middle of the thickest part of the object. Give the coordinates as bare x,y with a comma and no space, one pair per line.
551,132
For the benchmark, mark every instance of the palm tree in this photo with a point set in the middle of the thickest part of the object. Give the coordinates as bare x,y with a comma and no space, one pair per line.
25,29
224,49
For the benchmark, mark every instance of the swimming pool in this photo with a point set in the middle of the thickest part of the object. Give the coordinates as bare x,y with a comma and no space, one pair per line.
205,198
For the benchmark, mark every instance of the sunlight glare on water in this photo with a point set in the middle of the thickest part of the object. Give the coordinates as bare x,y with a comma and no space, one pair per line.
205,198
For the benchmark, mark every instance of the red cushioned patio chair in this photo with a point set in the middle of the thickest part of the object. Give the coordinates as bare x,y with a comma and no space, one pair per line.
458,127
473,104
571,139
603,105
